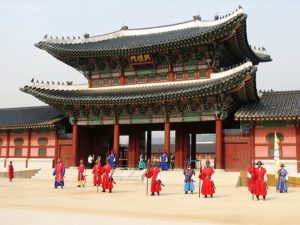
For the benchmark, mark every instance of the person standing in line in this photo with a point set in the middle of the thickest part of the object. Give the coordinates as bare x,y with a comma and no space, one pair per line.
112,159
107,180
283,178
90,162
207,176
154,174
11,173
97,173
59,173
172,162
260,187
164,161
81,176
251,177
189,177
142,164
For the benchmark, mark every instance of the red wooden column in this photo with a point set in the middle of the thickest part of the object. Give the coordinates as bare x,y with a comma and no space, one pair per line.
167,138
185,140
116,145
90,83
298,147
179,151
219,143
193,150
136,152
132,149
73,158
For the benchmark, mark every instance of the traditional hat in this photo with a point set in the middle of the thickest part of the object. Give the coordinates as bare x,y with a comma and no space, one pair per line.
259,163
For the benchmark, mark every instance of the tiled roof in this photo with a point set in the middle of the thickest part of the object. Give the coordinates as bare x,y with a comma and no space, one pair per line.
145,93
29,117
132,41
273,105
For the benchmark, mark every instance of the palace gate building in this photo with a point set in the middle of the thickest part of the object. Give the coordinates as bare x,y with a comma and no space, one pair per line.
191,78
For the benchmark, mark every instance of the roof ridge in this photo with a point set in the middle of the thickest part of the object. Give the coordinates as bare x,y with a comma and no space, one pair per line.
26,107
281,92
144,31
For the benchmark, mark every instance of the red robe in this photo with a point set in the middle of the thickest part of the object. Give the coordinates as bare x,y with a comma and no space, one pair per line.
59,170
207,185
107,181
81,169
155,184
10,172
260,187
97,174
252,180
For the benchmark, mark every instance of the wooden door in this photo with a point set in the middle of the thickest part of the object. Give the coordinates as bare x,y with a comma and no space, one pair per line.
65,152
236,156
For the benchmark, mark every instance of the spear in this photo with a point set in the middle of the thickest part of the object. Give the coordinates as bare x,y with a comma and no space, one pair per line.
200,179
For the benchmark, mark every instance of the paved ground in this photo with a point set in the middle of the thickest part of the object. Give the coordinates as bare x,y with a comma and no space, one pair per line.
35,202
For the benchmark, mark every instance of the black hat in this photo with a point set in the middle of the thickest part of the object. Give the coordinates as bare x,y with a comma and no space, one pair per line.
259,163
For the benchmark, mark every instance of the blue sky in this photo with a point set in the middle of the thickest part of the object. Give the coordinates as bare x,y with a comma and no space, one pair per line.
271,24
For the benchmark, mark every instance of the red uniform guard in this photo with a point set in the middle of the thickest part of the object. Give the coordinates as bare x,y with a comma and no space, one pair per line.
97,173
154,173
81,176
208,186
107,182
260,187
11,171
59,173
251,177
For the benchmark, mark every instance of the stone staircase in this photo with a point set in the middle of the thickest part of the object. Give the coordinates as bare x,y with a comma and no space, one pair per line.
71,175
173,177
20,173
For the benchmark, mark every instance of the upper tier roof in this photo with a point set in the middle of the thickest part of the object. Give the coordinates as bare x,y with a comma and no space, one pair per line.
234,79
130,41
29,117
274,105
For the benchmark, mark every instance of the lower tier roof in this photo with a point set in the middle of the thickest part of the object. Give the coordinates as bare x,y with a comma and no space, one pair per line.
273,105
29,117
223,82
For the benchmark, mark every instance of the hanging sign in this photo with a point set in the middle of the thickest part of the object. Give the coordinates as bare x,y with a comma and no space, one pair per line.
140,59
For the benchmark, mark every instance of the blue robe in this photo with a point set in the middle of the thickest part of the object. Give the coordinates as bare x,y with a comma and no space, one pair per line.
112,160
282,182
164,162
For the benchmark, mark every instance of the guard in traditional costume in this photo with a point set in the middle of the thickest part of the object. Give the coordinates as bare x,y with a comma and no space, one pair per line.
207,177
59,173
81,175
97,171
251,177
283,178
112,159
260,187
154,174
11,173
107,180
164,161
189,177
